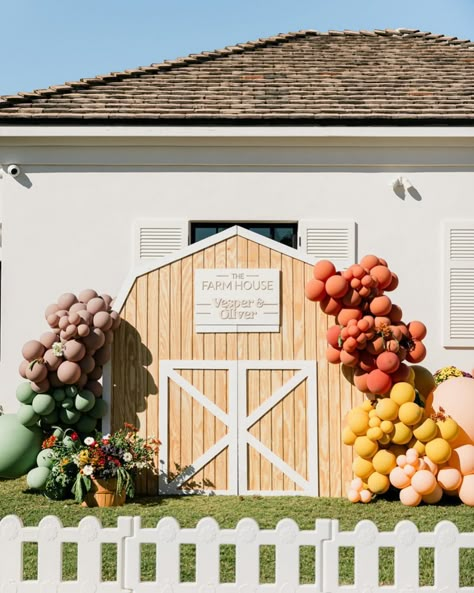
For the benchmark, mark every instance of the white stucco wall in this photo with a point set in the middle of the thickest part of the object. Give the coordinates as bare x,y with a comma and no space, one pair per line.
68,219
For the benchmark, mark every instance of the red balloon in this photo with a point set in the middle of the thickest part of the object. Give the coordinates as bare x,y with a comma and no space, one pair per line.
379,382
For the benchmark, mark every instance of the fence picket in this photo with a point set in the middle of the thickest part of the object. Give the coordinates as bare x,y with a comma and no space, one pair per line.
247,538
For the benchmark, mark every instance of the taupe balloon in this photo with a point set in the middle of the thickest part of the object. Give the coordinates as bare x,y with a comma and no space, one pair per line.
74,318
87,364
107,299
103,355
77,307
53,320
102,320
95,387
69,372
96,373
51,360
62,312
82,380
36,372
74,350
71,331
63,322
23,366
41,386
33,350
86,317
83,330
95,305
66,300
50,309
48,339
116,319
94,340
86,295
54,379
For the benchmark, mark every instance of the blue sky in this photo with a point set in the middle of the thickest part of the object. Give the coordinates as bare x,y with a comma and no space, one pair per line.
47,42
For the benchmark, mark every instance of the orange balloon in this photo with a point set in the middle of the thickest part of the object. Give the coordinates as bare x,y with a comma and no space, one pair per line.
333,355
323,269
330,306
314,290
360,380
388,362
393,283
417,330
345,315
336,286
382,274
332,336
381,305
410,497
369,261
417,353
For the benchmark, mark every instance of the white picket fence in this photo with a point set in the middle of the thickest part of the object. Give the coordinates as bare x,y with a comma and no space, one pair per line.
129,537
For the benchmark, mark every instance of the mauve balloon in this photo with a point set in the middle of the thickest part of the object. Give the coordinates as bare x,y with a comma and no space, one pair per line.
107,299
51,360
95,305
53,320
86,316
41,387
96,373
69,372
95,387
87,364
74,350
83,330
77,307
74,318
86,295
102,320
22,368
54,379
66,300
63,322
82,380
116,319
48,339
33,350
50,309
103,355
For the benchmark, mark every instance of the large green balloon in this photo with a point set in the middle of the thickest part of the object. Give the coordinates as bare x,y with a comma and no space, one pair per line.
19,446
26,415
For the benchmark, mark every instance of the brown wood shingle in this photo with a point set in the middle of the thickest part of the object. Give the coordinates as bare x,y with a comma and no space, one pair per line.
345,76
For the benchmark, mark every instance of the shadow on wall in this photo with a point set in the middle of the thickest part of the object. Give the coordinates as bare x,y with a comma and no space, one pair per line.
132,383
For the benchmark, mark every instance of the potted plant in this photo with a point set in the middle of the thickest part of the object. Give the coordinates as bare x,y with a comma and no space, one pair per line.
99,471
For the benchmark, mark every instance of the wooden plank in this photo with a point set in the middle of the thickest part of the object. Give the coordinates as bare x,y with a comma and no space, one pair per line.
164,331
231,247
323,403
152,416
287,338
300,436
266,467
276,353
198,382
175,354
141,392
346,451
187,296
335,444
310,343
221,384
209,386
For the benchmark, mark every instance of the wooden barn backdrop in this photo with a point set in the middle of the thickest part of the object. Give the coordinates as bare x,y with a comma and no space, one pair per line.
236,413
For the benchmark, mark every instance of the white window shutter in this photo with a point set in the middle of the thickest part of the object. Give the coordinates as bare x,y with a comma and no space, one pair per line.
159,237
334,240
459,284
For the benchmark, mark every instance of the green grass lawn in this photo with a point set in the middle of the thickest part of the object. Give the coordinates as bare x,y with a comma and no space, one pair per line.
228,510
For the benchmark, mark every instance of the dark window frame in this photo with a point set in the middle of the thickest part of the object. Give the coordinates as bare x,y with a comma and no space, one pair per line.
215,227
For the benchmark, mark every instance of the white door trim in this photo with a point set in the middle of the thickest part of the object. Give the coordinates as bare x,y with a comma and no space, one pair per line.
239,422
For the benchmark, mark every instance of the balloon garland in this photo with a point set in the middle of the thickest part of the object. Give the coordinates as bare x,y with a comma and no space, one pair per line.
64,367
398,442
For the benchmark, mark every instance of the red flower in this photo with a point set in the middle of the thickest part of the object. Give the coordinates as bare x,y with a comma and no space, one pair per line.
74,436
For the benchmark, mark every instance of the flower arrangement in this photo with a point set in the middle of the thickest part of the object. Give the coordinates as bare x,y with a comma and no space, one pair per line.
448,373
74,465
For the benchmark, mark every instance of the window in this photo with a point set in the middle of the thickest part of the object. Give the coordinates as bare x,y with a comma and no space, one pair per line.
282,232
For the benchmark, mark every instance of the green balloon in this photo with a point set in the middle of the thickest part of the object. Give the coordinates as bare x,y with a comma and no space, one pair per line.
69,416
71,390
43,404
24,393
45,458
26,415
67,404
37,477
59,394
19,446
86,424
85,401
99,410
51,418
58,432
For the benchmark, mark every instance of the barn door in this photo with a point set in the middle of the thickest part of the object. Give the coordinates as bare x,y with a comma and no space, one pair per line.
238,427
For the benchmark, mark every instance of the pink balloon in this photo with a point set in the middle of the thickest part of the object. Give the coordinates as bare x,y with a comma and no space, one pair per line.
466,490
83,330
63,322
41,387
69,372
50,309
95,305
77,307
22,368
33,350
410,497
51,360
74,350
53,320
86,295
66,300
48,339
102,320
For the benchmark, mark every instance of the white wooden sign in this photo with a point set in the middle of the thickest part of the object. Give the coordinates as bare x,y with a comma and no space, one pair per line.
237,299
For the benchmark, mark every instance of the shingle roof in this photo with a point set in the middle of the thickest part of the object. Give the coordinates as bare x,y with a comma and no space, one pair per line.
361,77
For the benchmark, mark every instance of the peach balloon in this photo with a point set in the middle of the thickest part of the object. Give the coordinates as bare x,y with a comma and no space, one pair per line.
22,368
382,274
417,353
350,359
77,307
381,305
434,496
388,362
357,484
352,298
314,290
353,495
462,458
398,478
432,466
51,360
449,478
333,355
95,305
466,490
323,269
332,336
48,339
345,315
360,380
410,497
365,496
393,283
423,481
456,397
417,330
409,469
50,310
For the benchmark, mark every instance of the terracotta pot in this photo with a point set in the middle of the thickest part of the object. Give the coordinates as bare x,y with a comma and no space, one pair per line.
104,494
